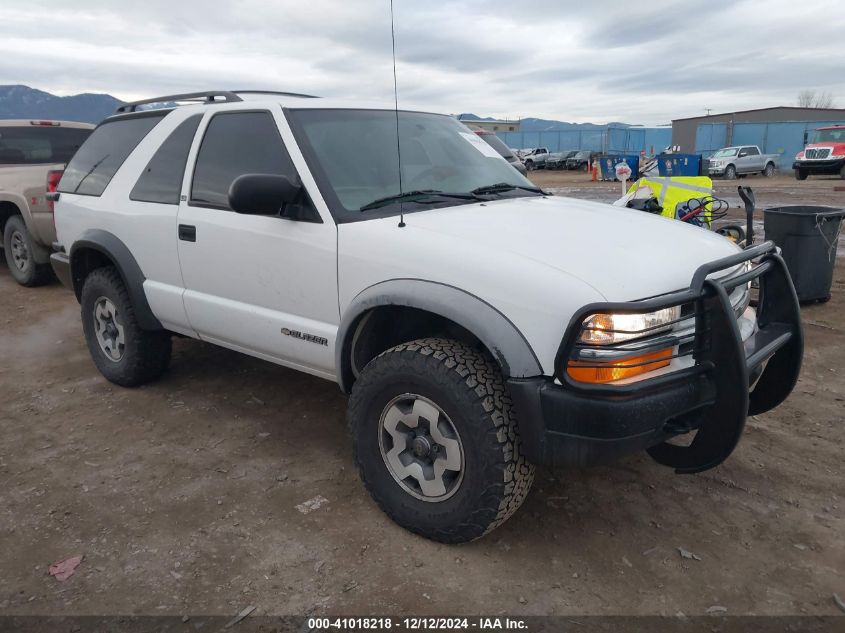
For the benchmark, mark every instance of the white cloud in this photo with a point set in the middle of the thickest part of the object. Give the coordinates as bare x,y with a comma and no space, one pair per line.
576,61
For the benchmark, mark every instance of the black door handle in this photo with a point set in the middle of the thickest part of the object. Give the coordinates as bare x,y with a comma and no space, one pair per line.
187,233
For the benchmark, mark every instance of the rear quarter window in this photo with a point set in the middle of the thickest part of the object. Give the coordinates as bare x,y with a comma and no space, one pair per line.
39,144
97,161
161,180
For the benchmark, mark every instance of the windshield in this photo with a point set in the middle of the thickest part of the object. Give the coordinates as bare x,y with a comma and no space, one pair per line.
828,136
352,154
724,153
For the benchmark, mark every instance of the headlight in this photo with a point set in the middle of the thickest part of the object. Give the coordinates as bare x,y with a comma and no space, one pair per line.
604,329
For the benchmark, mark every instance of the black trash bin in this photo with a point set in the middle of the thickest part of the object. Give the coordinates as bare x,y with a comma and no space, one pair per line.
808,237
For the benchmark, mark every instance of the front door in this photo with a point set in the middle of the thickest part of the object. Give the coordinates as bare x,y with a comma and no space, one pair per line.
265,285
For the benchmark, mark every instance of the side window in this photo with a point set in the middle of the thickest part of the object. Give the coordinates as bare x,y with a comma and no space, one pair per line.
752,151
161,180
234,144
101,155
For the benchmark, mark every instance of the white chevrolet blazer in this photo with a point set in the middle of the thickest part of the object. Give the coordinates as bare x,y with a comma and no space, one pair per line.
479,325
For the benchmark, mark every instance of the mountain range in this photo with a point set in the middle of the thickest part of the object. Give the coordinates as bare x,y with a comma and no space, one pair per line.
23,102
532,124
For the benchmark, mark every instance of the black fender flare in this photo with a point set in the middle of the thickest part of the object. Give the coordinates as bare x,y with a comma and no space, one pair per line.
110,245
508,345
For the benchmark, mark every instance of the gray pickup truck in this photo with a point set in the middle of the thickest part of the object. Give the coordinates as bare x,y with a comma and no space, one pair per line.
33,155
740,160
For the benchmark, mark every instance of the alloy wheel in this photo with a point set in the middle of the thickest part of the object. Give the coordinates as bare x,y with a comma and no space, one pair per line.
20,252
421,447
108,329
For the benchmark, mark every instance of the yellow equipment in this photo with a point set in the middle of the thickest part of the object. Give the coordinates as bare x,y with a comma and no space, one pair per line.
670,192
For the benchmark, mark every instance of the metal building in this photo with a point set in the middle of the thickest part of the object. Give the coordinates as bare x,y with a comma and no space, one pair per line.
504,125
781,130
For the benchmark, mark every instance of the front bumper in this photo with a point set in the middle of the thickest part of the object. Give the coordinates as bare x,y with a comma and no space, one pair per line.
565,423
822,167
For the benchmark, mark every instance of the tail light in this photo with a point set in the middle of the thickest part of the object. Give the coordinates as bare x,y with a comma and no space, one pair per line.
53,178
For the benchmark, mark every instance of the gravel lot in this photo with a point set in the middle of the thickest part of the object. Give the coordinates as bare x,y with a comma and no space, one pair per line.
183,495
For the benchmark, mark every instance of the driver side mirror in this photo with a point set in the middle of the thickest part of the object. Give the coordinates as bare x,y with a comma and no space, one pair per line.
262,194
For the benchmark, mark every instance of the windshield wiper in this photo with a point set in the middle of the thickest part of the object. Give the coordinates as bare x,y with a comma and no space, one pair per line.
89,172
420,195
504,186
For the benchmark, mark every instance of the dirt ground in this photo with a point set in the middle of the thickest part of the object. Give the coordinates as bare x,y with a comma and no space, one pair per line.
182,495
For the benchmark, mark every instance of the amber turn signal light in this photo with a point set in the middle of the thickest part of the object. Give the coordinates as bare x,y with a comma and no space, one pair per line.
600,373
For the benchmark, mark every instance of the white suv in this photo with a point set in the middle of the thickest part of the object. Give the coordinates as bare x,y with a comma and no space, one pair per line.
480,325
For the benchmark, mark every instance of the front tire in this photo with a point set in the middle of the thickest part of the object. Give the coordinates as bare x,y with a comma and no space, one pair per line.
123,352
436,441
800,174
529,165
17,243
842,172
730,172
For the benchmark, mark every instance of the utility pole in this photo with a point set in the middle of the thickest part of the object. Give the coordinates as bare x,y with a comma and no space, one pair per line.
708,110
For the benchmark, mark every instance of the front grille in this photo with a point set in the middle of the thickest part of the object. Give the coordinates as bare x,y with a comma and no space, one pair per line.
823,152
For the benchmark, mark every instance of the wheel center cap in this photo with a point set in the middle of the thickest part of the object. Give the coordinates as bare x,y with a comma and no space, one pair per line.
421,447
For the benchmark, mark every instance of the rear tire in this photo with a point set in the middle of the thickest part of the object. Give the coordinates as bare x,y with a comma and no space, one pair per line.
769,171
800,174
17,244
123,352
730,172
453,479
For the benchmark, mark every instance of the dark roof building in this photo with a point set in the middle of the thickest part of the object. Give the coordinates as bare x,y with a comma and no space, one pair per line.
710,132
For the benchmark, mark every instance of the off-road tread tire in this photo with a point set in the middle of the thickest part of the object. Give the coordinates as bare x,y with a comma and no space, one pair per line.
769,173
474,379
800,174
147,353
38,274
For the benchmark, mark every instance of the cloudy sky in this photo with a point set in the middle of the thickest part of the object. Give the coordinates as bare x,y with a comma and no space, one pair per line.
640,62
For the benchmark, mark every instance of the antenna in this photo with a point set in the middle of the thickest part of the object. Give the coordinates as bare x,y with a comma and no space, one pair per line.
396,109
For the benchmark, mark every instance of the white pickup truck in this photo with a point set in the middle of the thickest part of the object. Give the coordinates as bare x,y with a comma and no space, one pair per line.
32,157
480,325
741,160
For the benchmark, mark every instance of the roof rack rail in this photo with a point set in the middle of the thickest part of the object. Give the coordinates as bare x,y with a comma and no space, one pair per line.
274,92
210,96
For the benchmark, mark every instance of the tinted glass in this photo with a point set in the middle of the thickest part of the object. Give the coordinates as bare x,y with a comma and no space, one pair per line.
39,144
235,144
97,161
161,180
751,151
497,144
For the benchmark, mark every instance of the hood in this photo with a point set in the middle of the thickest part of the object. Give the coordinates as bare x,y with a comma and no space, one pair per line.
623,254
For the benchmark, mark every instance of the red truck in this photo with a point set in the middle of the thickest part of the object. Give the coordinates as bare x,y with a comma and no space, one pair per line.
824,154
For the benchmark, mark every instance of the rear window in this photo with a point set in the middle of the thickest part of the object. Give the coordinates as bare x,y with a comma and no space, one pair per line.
97,161
39,144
